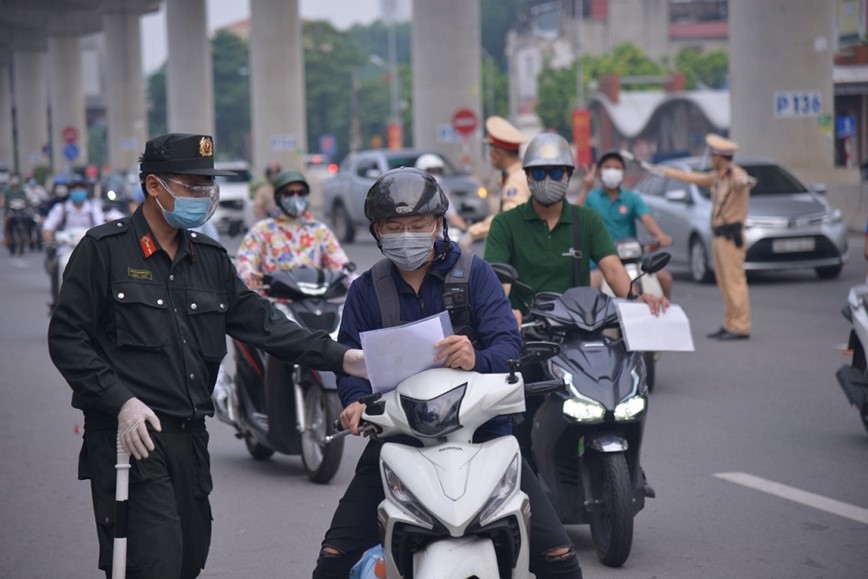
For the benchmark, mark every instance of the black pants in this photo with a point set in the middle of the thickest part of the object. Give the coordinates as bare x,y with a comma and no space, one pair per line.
168,512
354,525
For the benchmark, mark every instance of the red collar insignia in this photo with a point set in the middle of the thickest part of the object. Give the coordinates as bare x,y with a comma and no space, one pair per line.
146,242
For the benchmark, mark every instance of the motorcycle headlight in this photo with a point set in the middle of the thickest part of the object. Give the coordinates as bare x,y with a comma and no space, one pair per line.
584,409
504,489
629,249
437,416
408,501
630,408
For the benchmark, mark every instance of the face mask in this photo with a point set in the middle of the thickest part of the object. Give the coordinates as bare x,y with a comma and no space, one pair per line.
408,251
189,211
78,196
611,177
293,205
548,192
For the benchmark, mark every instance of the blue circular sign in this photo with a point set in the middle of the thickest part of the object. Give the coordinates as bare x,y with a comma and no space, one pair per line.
71,151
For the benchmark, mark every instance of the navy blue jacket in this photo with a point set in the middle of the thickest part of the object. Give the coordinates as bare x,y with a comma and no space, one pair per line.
491,317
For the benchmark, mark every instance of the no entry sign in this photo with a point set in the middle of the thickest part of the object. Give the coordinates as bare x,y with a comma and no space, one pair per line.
464,122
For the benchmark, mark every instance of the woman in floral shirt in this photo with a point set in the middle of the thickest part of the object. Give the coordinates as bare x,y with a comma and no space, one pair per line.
290,240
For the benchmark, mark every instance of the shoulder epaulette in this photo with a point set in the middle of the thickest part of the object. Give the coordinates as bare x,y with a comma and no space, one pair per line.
197,237
109,229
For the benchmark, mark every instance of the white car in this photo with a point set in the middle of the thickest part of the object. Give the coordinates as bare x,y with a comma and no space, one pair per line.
234,214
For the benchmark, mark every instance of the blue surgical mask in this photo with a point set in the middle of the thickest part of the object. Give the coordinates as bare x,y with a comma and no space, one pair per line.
189,211
78,195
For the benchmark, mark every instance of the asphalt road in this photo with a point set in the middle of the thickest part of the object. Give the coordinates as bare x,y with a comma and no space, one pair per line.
768,410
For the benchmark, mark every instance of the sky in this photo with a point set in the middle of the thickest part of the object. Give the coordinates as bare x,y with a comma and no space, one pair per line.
342,13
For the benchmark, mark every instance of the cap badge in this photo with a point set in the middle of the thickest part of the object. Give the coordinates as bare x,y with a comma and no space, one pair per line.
206,147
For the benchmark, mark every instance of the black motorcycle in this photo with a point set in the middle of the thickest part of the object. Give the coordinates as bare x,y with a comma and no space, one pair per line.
585,443
287,408
20,227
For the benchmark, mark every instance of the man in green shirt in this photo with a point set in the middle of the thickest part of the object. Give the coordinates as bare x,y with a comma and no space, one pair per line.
537,237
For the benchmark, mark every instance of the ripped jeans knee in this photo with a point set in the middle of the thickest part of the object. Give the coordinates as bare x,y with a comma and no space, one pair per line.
560,562
332,564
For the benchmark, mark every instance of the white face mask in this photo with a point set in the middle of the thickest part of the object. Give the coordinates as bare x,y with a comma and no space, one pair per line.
408,251
611,177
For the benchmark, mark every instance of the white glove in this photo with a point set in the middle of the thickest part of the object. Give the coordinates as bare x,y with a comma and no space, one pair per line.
133,430
354,364
653,169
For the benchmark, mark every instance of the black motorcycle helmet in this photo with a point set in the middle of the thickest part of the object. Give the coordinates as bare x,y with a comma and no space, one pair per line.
405,192
612,154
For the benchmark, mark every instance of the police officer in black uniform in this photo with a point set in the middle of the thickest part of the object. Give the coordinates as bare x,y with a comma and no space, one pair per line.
139,332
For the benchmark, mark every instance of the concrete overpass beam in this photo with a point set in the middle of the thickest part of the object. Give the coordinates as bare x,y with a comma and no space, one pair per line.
66,98
781,49
277,84
125,87
190,78
447,41
7,145
31,108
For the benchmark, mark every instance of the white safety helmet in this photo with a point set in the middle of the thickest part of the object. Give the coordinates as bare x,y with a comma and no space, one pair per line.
430,161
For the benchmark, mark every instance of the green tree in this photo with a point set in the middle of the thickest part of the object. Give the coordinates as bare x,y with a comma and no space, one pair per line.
329,59
703,68
556,94
231,95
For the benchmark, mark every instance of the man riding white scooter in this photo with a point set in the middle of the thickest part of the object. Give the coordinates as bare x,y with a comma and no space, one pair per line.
405,209
77,213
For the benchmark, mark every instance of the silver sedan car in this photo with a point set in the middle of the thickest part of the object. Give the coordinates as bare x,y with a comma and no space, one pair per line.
789,225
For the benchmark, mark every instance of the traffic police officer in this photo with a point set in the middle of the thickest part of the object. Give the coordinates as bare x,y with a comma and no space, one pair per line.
139,332
504,142
730,191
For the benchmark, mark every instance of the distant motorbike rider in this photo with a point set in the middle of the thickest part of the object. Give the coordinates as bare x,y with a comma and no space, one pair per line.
405,209
289,240
76,212
11,193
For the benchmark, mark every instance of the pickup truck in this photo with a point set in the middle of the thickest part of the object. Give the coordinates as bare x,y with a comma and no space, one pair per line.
344,194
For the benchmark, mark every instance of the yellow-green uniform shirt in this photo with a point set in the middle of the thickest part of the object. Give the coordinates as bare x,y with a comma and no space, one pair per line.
544,259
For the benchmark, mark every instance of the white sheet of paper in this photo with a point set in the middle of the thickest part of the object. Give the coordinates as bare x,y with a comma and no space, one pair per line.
644,332
393,354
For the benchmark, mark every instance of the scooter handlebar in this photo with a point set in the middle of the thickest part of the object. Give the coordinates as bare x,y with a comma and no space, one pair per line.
544,387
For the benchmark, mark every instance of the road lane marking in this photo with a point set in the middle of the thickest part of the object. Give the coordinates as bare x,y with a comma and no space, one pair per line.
816,501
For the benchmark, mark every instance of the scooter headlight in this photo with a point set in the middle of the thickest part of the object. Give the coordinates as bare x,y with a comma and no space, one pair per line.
583,409
504,489
629,249
404,497
630,408
437,416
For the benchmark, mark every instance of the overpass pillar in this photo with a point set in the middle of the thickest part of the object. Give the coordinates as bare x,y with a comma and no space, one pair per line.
7,147
125,86
781,87
66,98
447,42
278,116
190,76
31,109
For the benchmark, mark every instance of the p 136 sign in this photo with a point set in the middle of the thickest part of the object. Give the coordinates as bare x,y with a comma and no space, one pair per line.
797,104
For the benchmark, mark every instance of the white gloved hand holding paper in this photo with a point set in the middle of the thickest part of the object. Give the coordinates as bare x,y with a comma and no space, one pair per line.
133,430
354,363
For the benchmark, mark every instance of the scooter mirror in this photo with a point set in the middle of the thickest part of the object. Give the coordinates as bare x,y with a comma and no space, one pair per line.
505,272
656,262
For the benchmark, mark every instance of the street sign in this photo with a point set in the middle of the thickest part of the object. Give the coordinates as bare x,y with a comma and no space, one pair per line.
464,122
794,104
70,134
582,136
71,151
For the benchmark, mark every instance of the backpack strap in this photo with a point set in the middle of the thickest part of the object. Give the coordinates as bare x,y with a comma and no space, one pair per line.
387,293
581,266
456,296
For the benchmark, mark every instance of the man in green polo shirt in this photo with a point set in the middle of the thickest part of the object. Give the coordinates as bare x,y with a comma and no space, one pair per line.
620,209
537,237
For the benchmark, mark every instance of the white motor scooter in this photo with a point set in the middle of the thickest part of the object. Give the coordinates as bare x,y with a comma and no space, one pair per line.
58,254
853,377
632,252
453,509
